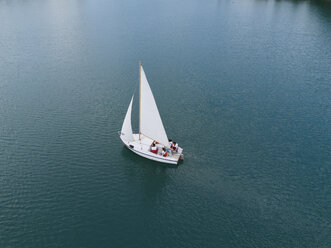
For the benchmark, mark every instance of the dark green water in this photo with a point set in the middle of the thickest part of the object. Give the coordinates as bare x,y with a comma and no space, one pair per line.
243,86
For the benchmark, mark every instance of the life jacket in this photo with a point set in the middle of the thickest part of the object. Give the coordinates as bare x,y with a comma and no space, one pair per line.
154,149
175,147
164,154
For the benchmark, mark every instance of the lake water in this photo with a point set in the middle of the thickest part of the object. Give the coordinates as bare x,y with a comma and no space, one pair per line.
243,86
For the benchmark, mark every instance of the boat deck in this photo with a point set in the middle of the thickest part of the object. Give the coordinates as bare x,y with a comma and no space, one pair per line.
142,147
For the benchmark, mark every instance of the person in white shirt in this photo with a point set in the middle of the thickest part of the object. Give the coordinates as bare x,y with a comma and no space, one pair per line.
175,146
170,143
153,148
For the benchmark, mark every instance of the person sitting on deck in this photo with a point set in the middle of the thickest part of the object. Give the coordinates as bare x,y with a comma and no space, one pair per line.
164,152
153,148
170,143
175,147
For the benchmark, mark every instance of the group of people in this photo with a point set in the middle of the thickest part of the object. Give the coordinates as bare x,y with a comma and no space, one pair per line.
173,145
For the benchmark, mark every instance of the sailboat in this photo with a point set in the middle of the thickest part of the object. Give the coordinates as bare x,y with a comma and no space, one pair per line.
151,129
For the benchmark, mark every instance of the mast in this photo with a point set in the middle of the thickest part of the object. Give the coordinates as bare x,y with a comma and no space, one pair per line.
139,95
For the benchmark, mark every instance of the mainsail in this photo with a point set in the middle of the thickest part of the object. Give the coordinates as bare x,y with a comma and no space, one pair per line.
150,120
126,131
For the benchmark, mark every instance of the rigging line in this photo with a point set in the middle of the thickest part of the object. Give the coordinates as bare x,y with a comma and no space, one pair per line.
156,140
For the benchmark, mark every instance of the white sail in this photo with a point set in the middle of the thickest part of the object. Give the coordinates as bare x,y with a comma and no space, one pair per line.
126,132
150,120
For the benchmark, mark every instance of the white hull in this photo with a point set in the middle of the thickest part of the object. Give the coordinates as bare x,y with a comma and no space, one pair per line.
142,148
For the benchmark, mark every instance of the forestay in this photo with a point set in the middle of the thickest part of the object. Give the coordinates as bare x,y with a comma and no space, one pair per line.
126,131
150,119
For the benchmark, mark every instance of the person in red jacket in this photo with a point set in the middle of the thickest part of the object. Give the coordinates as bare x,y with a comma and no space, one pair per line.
175,146
153,148
164,152
170,143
